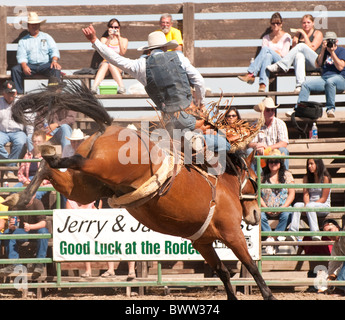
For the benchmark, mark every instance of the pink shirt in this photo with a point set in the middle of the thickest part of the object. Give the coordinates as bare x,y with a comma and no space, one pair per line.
283,45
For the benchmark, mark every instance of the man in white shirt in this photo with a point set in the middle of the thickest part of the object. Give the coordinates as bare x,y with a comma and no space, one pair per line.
11,131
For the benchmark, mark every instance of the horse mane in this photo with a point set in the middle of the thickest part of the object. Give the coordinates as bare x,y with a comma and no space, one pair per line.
235,162
46,101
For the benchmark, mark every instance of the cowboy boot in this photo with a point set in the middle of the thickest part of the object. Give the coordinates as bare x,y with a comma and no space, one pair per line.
249,78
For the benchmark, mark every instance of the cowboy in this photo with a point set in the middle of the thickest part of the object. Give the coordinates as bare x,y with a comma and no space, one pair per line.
37,54
167,77
273,134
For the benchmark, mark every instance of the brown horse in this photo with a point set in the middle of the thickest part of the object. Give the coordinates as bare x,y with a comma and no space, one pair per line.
185,203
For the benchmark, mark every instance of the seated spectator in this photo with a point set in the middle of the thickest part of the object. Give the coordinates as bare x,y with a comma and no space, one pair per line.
275,45
273,173
117,43
272,135
76,138
37,54
336,269
331,60
306,45
233,115
171,33
27,170
27,224
313,197
11,131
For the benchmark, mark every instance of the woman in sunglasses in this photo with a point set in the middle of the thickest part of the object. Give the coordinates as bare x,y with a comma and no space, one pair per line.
233,115
275,45
275,173
313,197
112,38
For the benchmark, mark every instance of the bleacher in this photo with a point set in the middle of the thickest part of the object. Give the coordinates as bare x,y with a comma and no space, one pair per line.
214,38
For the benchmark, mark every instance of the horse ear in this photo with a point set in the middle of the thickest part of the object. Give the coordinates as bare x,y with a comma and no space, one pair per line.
250,158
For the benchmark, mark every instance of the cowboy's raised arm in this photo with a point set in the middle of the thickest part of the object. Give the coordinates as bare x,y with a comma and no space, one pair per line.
90,33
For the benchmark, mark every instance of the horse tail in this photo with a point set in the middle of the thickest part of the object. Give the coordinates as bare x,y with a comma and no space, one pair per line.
44,103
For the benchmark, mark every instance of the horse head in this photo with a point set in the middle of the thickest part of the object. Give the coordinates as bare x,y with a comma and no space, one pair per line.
249,193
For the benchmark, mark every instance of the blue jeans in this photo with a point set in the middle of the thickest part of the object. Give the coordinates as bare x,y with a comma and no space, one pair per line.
60,134
266,57
18,140
284,218
44,69
217,143
328,84
12,248
303,58
341,276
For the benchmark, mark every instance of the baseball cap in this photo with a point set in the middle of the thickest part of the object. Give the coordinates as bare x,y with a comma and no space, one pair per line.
9,86
330,35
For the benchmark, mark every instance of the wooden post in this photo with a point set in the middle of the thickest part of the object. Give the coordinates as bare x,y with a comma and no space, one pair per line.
188,30
3,40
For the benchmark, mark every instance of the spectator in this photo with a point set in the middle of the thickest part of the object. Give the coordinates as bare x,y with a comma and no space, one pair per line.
275,45
233,115
11,131
117,43
76,138
331,60
272,135
273,173
27,170
313,197
171,33
336,269
306,45
27,225
37,54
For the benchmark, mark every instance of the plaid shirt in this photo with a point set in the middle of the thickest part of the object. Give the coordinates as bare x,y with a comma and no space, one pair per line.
273,134
23,171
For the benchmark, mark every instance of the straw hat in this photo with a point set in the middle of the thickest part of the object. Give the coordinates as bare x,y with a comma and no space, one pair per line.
33,18
266,103
157,39
77,134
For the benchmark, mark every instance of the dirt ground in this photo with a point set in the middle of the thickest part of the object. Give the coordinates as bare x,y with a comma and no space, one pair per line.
159,294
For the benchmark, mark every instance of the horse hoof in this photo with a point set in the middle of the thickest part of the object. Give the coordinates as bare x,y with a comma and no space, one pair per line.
47,150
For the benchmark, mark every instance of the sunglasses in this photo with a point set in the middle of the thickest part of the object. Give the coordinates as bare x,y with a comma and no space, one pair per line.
274,161
232,115
276,23
116,27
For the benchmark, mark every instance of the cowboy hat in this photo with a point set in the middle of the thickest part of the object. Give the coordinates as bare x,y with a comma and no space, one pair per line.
266,103
33,18
77,134
157,39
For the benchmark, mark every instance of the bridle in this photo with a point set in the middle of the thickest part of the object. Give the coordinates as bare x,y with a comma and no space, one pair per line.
244,180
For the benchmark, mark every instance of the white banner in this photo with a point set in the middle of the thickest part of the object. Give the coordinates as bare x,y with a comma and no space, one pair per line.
114,235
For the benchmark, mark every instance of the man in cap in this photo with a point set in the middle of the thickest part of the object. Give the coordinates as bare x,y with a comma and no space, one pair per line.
331,60
167,78
11,131
273,134
171,33
37,54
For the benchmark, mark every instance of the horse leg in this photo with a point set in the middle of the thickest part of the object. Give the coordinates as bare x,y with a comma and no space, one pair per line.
211,257
21,199
239,247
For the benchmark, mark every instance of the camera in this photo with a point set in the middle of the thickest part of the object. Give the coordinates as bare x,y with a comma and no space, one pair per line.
331,43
